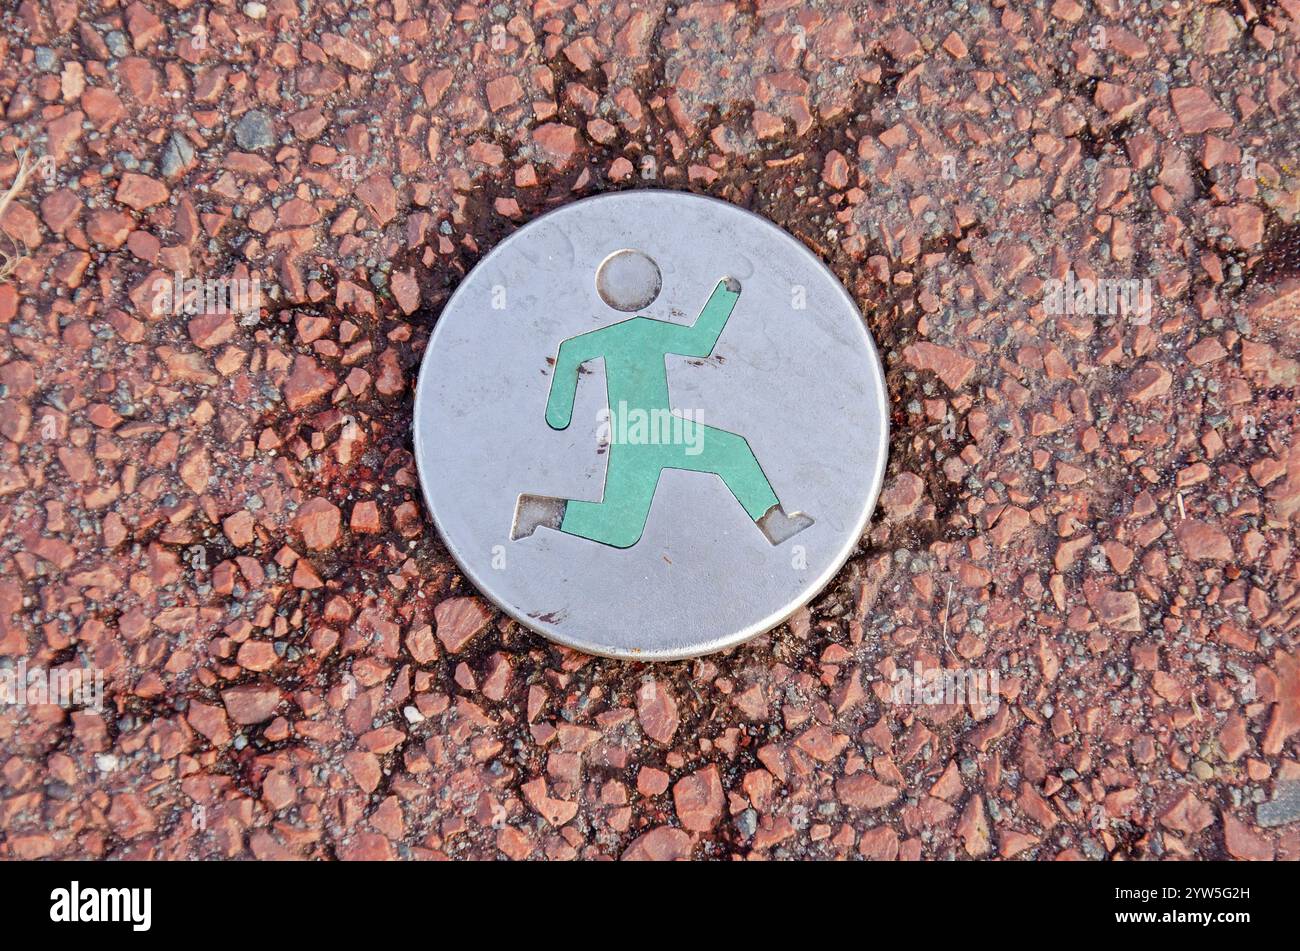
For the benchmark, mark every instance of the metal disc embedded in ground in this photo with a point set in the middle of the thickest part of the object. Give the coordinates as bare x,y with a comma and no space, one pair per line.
650,425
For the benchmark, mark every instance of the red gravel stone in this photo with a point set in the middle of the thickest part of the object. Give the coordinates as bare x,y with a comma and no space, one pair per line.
318,521
141,191
879,844
1196,111
238,528
1243,842
406,291
861,791
698,799
662,844
556,143
1285,719
903,495
210,721
307,383
657,711
365,517
950,366
1202,541
252,704
503,91
1187,815
1148,382
102,107
380,197
460,620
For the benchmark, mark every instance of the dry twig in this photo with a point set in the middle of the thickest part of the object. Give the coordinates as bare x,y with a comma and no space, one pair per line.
8,262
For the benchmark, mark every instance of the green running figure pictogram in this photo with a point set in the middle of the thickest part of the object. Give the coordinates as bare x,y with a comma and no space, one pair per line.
634,351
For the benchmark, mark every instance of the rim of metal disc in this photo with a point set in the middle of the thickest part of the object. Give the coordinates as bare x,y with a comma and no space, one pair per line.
759,626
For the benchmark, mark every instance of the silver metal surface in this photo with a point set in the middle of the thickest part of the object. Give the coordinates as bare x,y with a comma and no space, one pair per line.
794,372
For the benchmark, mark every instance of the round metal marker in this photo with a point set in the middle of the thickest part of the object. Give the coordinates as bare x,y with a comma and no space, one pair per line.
650,425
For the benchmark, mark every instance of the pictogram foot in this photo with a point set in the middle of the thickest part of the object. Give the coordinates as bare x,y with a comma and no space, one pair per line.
779,527
537,511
